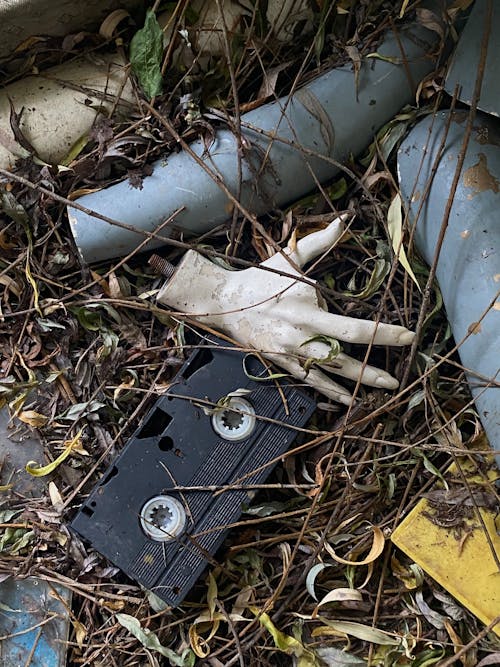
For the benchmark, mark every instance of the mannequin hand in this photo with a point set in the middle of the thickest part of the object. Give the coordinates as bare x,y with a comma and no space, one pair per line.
284,319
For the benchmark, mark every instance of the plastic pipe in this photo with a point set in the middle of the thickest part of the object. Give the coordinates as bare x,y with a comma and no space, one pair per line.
468,270
333,116
21,19
60,105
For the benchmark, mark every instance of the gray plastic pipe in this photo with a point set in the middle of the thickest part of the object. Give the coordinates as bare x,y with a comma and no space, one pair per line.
332,116
468,270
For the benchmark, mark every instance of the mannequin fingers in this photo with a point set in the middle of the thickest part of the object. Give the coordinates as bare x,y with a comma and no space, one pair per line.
348,367
352,330
314,244
353,369
315,378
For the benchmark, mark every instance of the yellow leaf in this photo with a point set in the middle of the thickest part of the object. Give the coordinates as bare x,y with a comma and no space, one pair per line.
18,402
325,631
285,643
113,605
375,551
33,284
124,386
33,469
82,191
100,281
395,227
32,418
80,632
199,644
211,594
404,7
411,576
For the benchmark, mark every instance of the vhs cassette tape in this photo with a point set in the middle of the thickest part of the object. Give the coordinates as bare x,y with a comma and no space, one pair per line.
165,504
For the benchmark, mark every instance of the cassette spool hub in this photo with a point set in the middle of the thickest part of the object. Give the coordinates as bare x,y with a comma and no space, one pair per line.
236,421
163,518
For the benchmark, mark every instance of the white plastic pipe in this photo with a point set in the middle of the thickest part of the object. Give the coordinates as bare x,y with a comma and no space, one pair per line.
22,19
60,105
334,116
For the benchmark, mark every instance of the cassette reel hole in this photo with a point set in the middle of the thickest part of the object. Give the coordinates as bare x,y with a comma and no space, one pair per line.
236,421
163,518
165,443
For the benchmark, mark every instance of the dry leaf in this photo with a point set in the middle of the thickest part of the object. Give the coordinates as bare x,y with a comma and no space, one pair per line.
338,595
32,418
55,497
358,630
395,227
375,551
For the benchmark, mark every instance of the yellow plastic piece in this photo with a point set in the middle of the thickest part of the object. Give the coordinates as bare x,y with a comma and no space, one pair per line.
460,561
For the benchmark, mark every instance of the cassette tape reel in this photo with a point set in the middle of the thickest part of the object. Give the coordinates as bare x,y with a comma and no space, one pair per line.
215,427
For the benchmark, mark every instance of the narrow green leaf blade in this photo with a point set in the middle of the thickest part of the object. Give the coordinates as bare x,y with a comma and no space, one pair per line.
150,641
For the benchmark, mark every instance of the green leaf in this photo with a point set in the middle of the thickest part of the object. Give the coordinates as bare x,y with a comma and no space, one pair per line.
22,541
338,189
8,515
361,631
416,399
266,509
11,207
430,657
75,150
109,344
89,320
90,317
70,445
311,577
392,136
335,350
262,378
79,410
47,325
146,52
430,467
335,657
150,641
285,643
377,276
157,604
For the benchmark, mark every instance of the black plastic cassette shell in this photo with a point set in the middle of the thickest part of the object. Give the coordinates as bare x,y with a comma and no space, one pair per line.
176,445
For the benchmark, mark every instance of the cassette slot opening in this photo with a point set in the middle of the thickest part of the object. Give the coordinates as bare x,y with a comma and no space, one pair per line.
202,358
109,475
155,425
